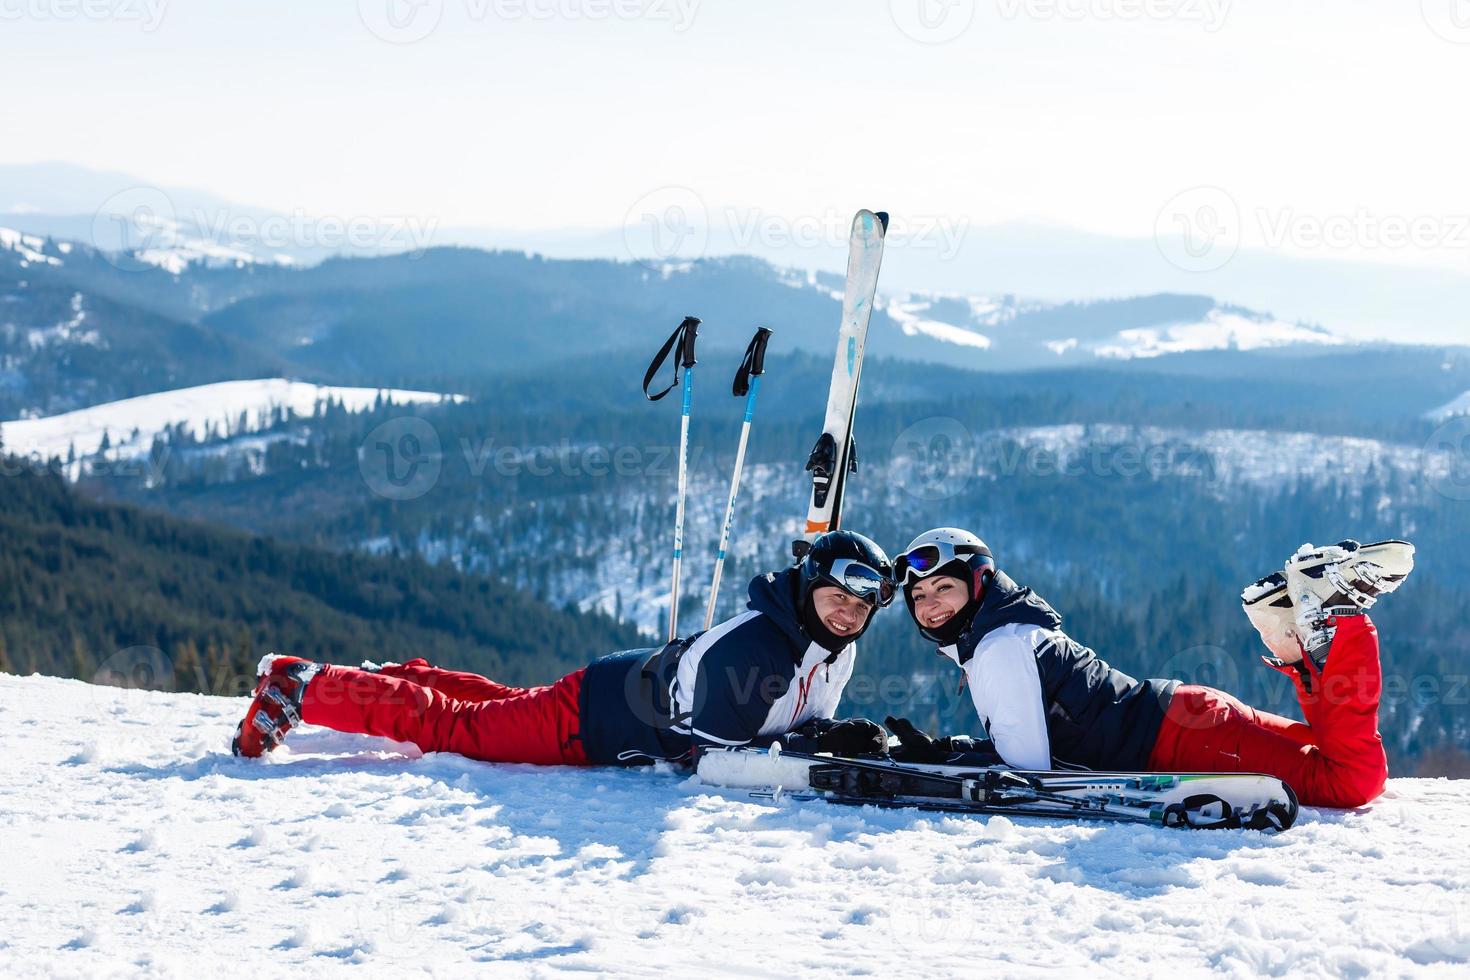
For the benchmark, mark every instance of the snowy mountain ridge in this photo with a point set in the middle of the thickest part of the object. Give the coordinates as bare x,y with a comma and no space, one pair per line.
1013,328
131,424
342,852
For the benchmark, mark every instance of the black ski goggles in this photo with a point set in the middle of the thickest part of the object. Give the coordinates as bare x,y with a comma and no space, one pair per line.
858,579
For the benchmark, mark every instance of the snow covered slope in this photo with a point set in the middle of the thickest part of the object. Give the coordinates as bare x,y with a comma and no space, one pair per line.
136,844
218,405
1458,406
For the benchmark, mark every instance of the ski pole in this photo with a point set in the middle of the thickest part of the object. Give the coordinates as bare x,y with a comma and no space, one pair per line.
683,338
747,383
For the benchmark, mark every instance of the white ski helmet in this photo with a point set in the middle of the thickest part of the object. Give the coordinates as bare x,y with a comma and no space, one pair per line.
946,551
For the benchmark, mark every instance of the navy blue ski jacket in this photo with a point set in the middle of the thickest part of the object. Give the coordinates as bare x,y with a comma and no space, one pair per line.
747,681
1045,699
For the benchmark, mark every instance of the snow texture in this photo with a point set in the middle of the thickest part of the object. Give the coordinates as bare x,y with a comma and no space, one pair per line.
1219,330
1459,406
906,315
220,404
136,845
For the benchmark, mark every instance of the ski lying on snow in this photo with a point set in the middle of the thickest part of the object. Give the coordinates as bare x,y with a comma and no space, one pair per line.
1196,800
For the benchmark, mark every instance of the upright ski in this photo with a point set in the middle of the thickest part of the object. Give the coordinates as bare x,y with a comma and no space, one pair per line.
833,457
1196,800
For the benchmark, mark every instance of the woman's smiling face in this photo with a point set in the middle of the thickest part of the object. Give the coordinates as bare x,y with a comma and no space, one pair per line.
938,598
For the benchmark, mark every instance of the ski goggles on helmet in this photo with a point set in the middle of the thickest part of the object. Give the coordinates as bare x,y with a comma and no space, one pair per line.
858,579
926,559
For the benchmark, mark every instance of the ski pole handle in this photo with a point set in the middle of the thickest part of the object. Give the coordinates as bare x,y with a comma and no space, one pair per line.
683,338
747,383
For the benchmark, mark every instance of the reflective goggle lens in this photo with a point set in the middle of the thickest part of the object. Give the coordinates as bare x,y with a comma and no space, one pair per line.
863,581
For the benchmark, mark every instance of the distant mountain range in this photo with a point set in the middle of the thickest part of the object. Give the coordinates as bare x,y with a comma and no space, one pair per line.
81,326
169,225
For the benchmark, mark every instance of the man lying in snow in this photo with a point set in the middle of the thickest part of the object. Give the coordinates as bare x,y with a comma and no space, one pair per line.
1046,701
777,670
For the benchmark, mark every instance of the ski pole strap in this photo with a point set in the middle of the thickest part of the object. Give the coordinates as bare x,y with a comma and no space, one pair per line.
754,364
683,338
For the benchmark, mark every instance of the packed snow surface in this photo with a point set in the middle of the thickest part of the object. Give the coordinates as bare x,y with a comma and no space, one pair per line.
221,405
135,844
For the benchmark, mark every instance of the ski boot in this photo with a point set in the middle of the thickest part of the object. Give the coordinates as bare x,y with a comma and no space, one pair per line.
1295,611
276,706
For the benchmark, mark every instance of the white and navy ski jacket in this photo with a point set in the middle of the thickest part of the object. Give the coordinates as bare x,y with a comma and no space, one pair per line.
1046,700
747,681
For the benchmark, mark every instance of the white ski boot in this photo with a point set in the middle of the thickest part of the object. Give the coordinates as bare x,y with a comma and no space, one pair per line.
1293,611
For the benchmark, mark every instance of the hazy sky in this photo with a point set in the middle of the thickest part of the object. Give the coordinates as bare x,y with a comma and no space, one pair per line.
1344,116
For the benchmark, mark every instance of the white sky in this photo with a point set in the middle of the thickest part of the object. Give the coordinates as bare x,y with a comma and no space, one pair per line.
1048,111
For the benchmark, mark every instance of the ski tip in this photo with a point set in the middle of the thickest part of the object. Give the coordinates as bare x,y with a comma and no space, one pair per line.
882,220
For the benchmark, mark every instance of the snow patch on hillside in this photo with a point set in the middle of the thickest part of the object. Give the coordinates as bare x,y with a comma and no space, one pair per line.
1220,330
1459,406
28,247
137,845
68,331
221,405
907,316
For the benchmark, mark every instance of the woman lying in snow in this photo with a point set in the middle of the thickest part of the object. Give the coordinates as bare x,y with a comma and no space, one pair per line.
1047,701
777,670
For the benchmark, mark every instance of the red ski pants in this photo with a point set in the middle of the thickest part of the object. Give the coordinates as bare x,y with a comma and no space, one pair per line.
1334,760
447,711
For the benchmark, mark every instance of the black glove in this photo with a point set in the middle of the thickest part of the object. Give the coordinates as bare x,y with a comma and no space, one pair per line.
921,747
852,736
